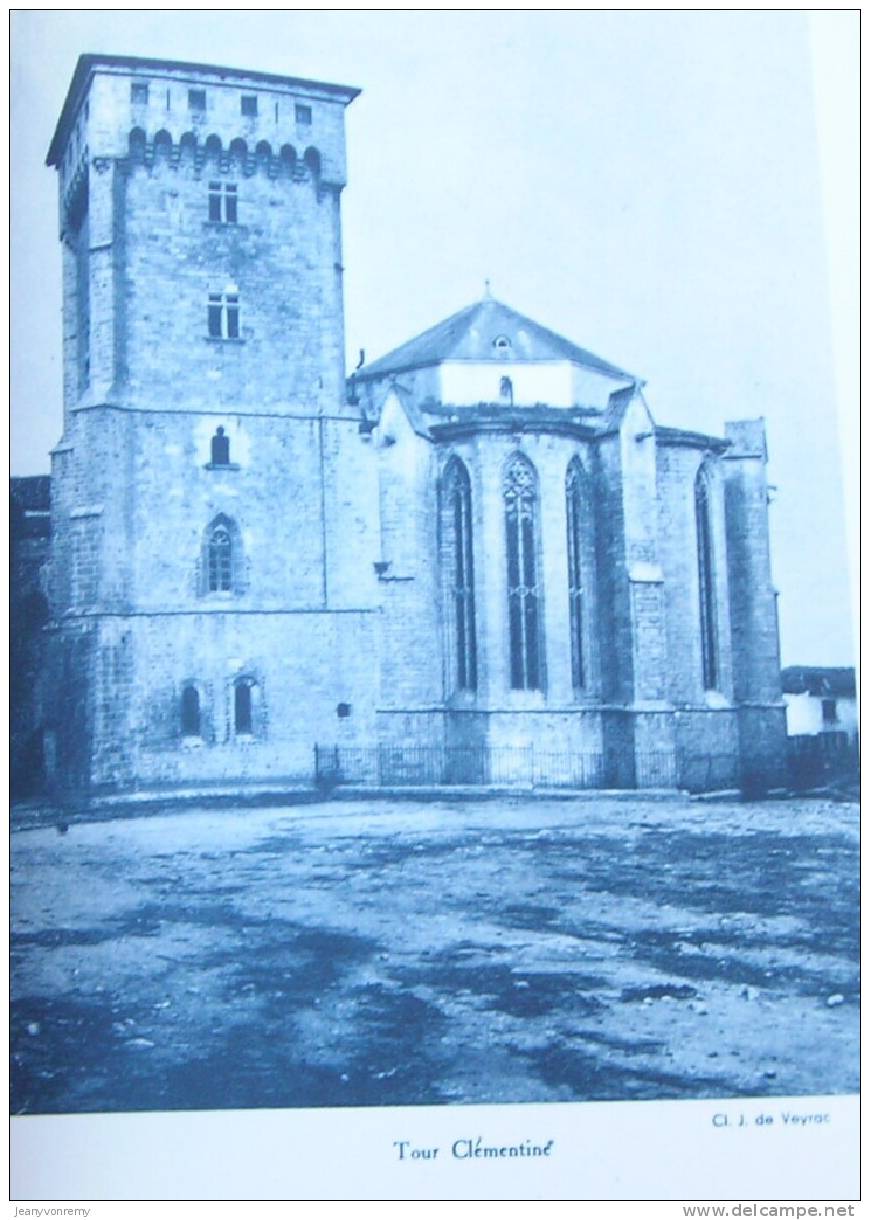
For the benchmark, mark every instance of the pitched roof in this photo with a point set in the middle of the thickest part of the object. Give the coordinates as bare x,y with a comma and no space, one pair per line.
471,333
819,680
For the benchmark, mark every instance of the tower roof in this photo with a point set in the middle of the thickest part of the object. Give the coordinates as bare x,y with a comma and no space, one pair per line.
487,330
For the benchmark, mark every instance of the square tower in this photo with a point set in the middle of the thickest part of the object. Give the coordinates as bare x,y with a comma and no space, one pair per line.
199,214
207,568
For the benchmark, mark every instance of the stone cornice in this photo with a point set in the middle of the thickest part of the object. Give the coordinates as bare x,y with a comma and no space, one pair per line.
459,429
683,438
88,65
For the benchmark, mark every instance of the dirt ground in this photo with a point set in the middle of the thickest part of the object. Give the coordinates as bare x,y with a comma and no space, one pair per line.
359,954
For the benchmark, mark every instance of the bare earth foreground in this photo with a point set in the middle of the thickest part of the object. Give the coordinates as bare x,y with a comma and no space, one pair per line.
389,953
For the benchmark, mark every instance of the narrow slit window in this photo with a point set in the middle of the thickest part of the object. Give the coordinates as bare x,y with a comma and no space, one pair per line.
523,590
232,315
215,316
190,716
83,299
575,507
215,200
706,583
243,717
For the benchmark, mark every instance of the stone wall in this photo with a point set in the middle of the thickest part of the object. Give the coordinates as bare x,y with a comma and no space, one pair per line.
29,541
303,666
147,387
336,614
677,469
755,626
641,608
280,261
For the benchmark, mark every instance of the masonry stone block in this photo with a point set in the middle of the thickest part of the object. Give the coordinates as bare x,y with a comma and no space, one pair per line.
236,527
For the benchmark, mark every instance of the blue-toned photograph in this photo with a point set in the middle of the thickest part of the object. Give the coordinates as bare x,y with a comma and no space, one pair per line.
432,651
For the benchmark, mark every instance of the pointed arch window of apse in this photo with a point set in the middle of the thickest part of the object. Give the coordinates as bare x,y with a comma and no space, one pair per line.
523,590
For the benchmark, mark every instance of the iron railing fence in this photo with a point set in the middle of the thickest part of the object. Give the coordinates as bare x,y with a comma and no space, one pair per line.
392,766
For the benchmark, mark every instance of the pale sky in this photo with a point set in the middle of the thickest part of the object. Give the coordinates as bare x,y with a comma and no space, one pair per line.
645,183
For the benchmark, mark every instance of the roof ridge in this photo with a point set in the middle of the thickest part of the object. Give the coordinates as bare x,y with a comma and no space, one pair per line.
597,361
443,341
426,334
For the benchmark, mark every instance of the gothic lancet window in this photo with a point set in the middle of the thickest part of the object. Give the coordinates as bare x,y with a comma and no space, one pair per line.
575,508
78,243
220,558
524,595
458,557
221,567
706,582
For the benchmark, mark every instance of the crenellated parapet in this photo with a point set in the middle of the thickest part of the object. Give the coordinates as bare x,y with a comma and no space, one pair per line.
121,109
212,154
202,154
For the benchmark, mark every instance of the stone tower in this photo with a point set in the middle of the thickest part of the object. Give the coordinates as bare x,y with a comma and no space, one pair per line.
212,593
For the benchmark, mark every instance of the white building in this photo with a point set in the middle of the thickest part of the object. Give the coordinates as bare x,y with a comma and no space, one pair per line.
820,700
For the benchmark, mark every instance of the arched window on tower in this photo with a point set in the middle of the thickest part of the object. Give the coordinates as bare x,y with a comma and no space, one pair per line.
523,590
220,560
190,718
458,567
243,706
219,556
221,567
506,391
706,582
575,507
